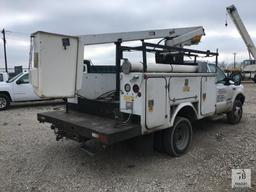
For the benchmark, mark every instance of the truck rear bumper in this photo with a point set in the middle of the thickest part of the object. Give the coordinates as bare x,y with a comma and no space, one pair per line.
82,126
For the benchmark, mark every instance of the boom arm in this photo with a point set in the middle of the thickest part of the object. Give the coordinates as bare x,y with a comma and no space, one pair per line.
175,37
233,13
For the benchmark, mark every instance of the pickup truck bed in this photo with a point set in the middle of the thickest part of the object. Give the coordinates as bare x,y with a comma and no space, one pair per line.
81,126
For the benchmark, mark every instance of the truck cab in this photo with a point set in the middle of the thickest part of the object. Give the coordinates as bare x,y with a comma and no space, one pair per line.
229,93
16,89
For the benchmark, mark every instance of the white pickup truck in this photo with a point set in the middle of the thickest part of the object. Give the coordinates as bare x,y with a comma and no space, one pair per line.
15,90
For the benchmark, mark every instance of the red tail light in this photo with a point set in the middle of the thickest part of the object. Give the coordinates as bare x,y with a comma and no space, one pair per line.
135,88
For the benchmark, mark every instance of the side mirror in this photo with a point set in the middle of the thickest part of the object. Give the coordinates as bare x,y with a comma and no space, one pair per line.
18,82
231,82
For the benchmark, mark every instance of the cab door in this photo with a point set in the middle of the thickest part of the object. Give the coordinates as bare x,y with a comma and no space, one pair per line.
224,90
23,90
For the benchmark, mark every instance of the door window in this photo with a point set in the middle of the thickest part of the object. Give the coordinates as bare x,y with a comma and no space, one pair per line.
220,76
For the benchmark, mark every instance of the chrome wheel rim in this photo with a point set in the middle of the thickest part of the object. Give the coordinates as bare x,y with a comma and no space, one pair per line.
3,103
181,137
238,112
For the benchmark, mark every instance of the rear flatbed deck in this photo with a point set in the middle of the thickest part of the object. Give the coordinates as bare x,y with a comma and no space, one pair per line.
77,125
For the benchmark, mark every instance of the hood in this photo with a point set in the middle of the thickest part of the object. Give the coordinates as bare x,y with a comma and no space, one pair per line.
3,84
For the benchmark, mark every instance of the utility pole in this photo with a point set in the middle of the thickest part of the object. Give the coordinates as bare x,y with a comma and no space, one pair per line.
5,57
234,60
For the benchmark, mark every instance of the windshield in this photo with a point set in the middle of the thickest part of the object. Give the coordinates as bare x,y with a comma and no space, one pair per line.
14,78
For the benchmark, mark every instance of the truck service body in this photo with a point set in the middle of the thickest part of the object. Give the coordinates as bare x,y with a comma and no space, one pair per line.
114,103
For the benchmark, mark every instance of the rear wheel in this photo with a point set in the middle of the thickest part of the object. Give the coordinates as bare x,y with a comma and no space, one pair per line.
236,114
176,140
4,102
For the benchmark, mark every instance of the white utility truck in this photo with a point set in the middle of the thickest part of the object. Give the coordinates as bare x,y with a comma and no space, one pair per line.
16,89
160,99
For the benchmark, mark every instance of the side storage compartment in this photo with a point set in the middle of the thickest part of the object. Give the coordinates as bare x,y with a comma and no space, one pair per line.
184,89
156,102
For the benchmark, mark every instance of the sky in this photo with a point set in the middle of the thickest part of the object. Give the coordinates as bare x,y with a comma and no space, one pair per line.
20,18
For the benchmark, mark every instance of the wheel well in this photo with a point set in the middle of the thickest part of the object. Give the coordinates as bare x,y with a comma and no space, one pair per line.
188,112
240,97
7,94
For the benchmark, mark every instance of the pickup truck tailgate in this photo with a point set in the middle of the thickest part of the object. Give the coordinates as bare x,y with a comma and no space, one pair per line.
77,125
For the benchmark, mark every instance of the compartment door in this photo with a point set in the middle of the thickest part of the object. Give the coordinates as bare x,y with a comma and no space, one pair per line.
57,65
208,95
156,102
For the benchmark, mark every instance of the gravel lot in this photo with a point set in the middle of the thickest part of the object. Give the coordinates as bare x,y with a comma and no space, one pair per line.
32,160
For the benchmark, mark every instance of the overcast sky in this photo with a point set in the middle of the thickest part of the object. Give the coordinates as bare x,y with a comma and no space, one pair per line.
22,17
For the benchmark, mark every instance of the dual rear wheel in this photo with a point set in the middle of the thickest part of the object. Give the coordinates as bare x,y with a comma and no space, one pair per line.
175,141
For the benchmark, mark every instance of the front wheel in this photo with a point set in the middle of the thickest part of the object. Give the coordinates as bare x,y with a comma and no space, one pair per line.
254,79
236,114
4,102
177,139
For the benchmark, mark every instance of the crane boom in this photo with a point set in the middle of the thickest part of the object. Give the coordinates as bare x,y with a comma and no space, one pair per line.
175,37
233,13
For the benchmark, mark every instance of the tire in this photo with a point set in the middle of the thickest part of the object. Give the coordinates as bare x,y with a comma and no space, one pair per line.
4,102
254,79
236,114
177,140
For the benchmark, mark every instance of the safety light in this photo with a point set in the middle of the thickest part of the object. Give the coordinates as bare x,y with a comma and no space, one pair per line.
196,39
127,87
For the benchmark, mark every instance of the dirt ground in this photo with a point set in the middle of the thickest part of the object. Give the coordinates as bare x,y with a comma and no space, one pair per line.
32,160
